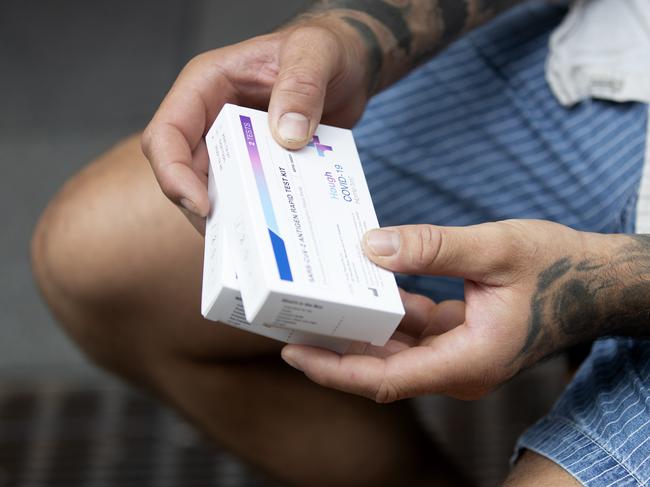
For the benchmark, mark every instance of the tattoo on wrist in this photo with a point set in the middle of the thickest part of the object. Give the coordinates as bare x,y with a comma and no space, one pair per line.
577,301
400,34
375,54
454,15
391,16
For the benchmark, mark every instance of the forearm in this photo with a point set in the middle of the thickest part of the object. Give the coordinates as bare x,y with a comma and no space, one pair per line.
400,34
604,292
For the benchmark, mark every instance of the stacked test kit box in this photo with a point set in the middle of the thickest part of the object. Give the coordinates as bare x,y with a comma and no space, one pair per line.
283,254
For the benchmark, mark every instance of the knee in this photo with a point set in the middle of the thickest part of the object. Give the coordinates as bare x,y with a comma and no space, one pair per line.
120,268
76,249
61,247
67,276
71,245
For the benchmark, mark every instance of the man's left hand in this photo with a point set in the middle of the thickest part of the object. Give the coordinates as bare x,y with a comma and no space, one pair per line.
531,288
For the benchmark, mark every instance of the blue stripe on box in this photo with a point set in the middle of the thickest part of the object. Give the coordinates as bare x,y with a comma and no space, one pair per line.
281,258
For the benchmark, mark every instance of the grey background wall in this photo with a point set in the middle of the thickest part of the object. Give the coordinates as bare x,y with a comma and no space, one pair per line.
75,77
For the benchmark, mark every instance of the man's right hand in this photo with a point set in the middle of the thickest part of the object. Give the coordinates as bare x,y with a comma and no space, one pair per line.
303,73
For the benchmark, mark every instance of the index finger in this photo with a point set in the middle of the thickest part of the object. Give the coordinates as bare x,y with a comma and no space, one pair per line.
445,362
173,135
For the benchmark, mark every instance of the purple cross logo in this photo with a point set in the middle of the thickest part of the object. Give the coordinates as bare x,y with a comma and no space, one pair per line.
320,148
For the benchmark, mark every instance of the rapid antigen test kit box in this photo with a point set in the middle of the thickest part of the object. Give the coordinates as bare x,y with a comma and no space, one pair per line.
293,223
221,300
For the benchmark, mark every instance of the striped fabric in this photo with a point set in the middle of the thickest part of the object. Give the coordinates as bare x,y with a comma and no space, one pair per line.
476,135
599,430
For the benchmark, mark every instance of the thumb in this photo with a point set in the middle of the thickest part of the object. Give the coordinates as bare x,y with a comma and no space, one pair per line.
481,253
308,61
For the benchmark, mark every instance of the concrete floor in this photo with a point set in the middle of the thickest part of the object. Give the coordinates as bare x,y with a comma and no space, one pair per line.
75,77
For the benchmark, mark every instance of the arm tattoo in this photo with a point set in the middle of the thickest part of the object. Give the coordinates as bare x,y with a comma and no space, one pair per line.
454,17
400,34
579,301
391,16
375,55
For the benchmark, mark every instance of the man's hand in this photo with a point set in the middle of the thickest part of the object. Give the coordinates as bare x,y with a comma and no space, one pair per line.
324,64
304,72
532,288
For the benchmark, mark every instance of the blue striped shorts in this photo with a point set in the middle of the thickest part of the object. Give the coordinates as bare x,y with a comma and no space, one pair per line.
476,135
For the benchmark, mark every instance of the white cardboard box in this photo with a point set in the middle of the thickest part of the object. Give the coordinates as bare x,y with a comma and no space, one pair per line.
294,222
221,300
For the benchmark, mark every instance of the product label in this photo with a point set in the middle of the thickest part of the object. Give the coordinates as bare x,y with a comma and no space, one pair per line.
279,249
317,207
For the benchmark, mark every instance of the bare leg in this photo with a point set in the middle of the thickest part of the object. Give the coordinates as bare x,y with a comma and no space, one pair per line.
533,470
120,267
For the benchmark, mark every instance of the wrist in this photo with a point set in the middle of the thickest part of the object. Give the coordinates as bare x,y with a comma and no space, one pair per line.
395,37
610,287
575,291
628,305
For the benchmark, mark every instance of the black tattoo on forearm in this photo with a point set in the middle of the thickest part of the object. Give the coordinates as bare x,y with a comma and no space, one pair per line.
392,16
580,301
400,34
375,55
544,281
454,16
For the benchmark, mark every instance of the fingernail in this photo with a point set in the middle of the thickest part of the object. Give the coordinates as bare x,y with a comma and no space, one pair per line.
288,357
383,242
189,206
293,127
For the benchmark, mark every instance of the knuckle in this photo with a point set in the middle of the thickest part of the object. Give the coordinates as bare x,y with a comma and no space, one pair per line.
512,231
510,247
386,392
167,186
319,34
523,248
146,141
166,180
391,388
300,82
198,61
423,248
